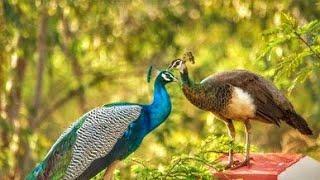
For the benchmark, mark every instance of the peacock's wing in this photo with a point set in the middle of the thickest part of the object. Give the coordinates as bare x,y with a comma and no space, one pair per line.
98,134
270,102
57,159
89,138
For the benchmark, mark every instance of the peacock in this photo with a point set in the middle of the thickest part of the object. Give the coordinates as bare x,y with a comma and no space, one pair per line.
239,95
104,136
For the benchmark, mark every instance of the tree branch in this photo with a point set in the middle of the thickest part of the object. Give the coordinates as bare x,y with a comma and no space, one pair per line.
307,44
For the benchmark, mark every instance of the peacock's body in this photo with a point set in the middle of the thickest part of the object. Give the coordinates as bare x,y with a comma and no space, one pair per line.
240,95
104,135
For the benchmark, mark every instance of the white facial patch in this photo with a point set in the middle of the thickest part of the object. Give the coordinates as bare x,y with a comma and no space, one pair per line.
164,76
241,105
178,63
181,66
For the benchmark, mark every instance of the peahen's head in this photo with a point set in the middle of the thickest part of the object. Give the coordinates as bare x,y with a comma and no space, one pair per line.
180,64
177,64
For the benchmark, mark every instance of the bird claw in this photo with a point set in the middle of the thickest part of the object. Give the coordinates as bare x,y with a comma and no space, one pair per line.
231,164
236,162
239,165
228,166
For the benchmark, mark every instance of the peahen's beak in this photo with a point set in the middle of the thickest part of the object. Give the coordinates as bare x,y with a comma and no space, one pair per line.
170,67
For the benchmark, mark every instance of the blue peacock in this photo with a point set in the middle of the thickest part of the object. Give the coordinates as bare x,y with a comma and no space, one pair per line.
104,136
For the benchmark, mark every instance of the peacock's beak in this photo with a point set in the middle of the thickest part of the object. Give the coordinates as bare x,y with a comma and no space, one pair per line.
175,79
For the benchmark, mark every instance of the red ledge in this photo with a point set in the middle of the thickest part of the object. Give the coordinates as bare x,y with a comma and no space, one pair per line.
262,166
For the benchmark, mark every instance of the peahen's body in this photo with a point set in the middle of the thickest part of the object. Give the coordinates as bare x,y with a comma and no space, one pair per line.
104,135
240,95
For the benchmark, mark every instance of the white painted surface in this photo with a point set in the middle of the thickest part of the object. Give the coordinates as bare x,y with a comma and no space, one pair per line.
305,169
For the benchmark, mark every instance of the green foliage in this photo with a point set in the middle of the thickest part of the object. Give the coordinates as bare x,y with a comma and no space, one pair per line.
298,48
197,163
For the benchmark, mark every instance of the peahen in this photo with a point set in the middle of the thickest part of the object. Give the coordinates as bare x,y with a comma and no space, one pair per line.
239,95
103,136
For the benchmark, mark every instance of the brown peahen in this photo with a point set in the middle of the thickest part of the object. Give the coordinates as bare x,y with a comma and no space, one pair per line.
239,95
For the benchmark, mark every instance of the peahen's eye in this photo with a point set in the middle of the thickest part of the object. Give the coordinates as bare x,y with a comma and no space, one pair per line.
177,63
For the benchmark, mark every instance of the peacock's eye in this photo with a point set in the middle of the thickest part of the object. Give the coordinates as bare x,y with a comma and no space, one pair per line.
167,77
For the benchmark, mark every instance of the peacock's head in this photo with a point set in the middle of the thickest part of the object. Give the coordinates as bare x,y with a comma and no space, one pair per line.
166,77
162,76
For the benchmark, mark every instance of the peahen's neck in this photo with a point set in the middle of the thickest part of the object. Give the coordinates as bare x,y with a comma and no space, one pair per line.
186,81
194,92
160,107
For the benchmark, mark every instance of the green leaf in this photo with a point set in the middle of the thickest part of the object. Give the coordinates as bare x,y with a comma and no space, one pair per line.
310,27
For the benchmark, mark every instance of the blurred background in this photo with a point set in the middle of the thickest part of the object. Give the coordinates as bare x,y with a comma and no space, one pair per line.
59,59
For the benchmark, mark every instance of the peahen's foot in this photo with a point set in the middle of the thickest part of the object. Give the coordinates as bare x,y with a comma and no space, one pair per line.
246,162
231,164
228,166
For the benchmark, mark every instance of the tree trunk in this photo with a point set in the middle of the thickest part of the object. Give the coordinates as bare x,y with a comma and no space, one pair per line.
14,99
42,56
4,137
14,95
33,114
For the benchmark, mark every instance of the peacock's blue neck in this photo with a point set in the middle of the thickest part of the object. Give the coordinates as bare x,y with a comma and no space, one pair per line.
160,108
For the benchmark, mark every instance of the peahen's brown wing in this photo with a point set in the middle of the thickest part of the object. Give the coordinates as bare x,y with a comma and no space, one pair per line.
270,103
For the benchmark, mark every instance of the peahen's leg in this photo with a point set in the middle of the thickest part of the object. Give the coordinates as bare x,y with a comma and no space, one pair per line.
248,133
247,147
232,134
109,171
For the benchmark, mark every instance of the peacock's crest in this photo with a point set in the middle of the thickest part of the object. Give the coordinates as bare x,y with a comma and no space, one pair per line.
149,74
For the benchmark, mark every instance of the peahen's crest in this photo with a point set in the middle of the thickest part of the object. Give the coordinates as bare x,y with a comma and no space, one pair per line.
188,56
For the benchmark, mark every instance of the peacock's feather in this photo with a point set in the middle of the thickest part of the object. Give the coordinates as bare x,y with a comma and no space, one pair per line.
120,104
98,134
57,159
